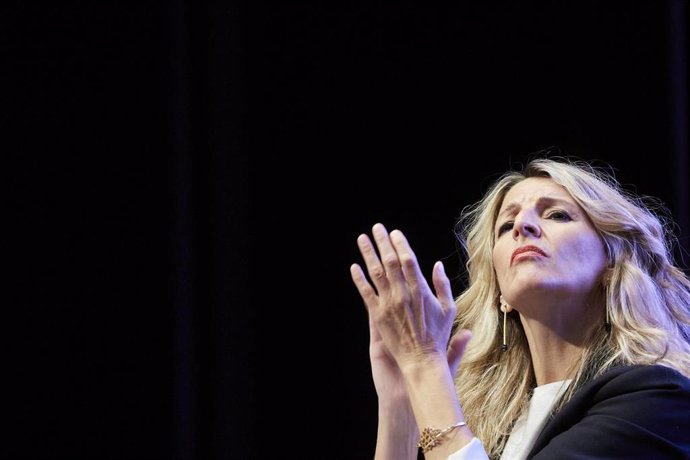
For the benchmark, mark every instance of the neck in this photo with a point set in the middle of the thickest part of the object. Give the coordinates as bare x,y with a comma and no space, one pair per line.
555,345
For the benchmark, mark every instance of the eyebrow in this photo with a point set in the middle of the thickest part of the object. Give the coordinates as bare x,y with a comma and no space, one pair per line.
541,201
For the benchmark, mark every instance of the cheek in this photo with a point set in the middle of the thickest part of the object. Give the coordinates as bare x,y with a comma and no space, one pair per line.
499,258
587,253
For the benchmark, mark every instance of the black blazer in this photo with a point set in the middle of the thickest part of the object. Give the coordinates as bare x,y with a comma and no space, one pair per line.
630,412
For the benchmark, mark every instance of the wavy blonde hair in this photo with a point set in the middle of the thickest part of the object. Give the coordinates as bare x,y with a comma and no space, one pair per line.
647,297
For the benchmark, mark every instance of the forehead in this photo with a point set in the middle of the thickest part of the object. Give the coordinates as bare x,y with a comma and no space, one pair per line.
533,189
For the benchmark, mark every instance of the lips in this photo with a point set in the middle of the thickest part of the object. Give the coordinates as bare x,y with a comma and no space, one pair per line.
523,249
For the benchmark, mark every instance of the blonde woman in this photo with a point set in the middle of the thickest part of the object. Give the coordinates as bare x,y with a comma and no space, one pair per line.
571,339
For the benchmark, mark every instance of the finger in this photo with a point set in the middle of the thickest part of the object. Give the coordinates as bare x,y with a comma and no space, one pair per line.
363,287
442,287
408,260
456,348
389,255
374,267
368,295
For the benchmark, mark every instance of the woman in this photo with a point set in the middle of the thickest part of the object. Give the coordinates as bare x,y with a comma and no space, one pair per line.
579,324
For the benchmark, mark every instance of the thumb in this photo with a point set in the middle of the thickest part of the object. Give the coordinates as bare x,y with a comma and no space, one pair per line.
456,348
442,286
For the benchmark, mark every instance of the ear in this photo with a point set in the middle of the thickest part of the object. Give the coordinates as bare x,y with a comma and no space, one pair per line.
505,308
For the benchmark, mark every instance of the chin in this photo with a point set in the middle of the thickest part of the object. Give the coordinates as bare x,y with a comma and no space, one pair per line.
532,279
525,290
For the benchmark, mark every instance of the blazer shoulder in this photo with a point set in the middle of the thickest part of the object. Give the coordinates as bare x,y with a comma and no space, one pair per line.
638,377
636,410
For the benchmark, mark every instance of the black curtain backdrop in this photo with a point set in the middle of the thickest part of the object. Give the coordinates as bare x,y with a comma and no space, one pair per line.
185,181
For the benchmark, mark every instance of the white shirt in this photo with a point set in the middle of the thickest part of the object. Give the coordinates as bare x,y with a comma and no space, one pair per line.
526,429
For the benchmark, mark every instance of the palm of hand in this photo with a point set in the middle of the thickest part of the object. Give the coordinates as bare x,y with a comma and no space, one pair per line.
386,373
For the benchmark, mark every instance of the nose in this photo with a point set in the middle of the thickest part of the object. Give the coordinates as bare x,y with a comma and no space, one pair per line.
525,225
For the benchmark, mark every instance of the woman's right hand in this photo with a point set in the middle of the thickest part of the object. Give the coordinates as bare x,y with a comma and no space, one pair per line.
388,380
387,375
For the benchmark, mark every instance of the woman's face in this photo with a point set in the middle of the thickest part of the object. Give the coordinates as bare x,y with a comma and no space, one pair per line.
545,246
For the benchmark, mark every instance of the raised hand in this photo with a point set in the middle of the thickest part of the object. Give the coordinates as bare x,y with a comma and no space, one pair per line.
409,330
411,321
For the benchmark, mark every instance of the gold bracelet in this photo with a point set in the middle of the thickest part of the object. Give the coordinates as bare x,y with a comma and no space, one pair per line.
431,437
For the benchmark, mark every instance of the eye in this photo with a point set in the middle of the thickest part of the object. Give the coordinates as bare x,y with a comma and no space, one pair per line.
559,216
507,226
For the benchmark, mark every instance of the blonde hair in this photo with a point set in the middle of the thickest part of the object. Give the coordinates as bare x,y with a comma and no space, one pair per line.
647,297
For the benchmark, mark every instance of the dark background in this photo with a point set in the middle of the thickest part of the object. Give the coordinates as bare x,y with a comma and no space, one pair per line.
185,181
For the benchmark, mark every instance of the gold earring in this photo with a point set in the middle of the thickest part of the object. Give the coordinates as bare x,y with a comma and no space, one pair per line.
505,308
607,321
607,284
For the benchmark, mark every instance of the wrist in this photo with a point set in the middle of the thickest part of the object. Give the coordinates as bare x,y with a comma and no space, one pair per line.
430,367
397,434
